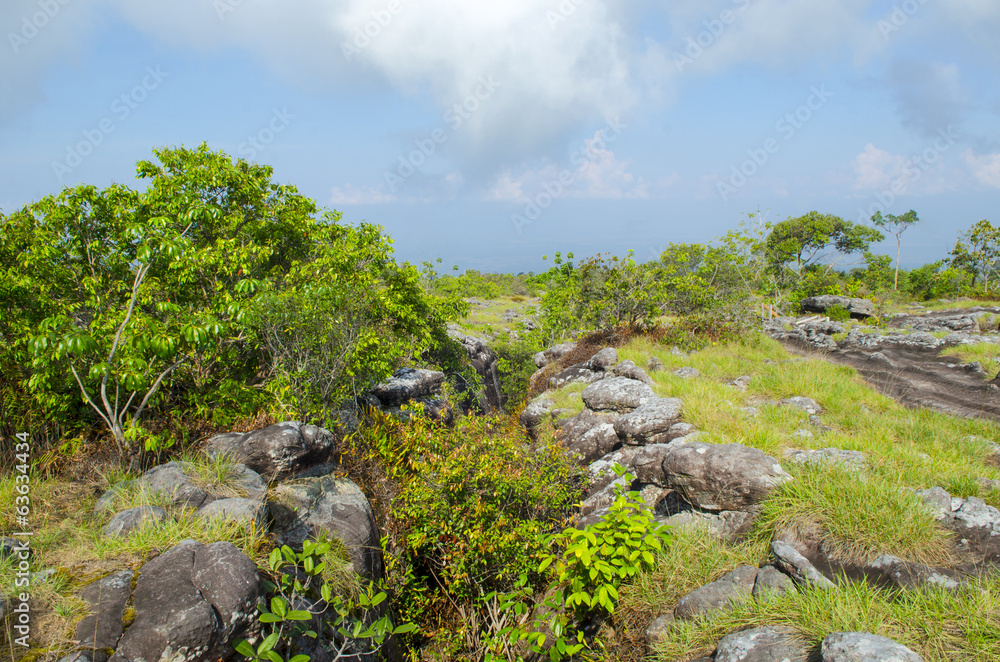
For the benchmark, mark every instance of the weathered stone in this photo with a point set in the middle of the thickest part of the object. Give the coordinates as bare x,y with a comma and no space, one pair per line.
733,587
808,405
650,423
173,482
858,308
484,361
408,384
726,525
537,411
554,353
632,371
713,476
602,360
740,383
617,394
278,451
686,372
864,647
590,434
771,581
192,603
908,576
765,644
250,512
102,628
793,563
659,629
854,461
336,506
576,375
937,500
123,523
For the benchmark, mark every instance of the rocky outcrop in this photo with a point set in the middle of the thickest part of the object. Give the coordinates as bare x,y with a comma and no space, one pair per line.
554,353
798,566
192,603
483,360
732,588
102,628
618,394
651,422
408,384
853,461
858,308
590,434
278,451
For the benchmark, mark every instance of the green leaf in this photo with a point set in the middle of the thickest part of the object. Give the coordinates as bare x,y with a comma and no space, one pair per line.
244,648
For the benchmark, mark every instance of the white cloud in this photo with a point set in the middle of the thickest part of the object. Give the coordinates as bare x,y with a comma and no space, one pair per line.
985,168
352,195
876,168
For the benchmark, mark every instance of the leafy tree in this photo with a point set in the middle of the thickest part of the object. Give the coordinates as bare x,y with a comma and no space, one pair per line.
618,291
977,251
895,225
807,239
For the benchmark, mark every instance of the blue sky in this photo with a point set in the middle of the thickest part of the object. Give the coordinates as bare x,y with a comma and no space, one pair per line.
489,134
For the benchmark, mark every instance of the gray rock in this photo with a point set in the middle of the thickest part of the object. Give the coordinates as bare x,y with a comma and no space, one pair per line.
247,511
651,423
602,470
102,628
278,451
864,647
617,394
109,500
686,372
575,375
937,500
659,629
192,603
741,383
712,476
537,411
590,434
602,360
765,644
808,405
908,576
554,353
798,566
858,308
975,514
771,581
408,384
173,482
733,587
677,351
632,371
307,507
123,523
855,461
802,433
654,364
726,525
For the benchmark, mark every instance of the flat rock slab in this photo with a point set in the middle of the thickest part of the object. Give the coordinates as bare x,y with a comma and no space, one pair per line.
250,512
407,384
808,405
906,576
732,588
766,644
854,461
797,566
865,647
576,375
192,603
712,476
650,423
619,394
307,507
858,308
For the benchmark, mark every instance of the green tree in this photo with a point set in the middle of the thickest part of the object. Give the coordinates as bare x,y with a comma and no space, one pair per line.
808,239
895,225
977,251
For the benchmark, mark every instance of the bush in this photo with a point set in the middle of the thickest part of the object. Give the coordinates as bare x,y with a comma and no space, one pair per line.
838,313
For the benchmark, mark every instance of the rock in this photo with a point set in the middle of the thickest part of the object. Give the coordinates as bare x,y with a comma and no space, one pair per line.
602,360
602,470
103,627
740,383
918,339
802,433
864,647
247,511
858,308
193,602
537,411
733,587
900,574
771,581
554,353
854,461
798,566
659,629
336,506
590,434
433,408
686,372
575,375
651,423
937,500
408,384
617,394
765,644
123,523
632,371
808,405
278,451
712,476
677,351
12,548
727,525
975,514
654,364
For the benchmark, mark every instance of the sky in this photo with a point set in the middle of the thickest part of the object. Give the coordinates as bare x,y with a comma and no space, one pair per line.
491,134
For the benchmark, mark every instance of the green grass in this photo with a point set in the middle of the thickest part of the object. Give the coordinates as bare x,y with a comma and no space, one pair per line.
985,352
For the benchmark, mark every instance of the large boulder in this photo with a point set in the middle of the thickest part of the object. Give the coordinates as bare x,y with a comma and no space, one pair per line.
589,434
619,394
554,353
308,507
278,451
712,476
650,423
174,482
102,628
192,603
858,308
576,375
408,384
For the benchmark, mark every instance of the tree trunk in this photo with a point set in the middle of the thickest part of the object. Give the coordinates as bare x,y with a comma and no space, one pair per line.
895,279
